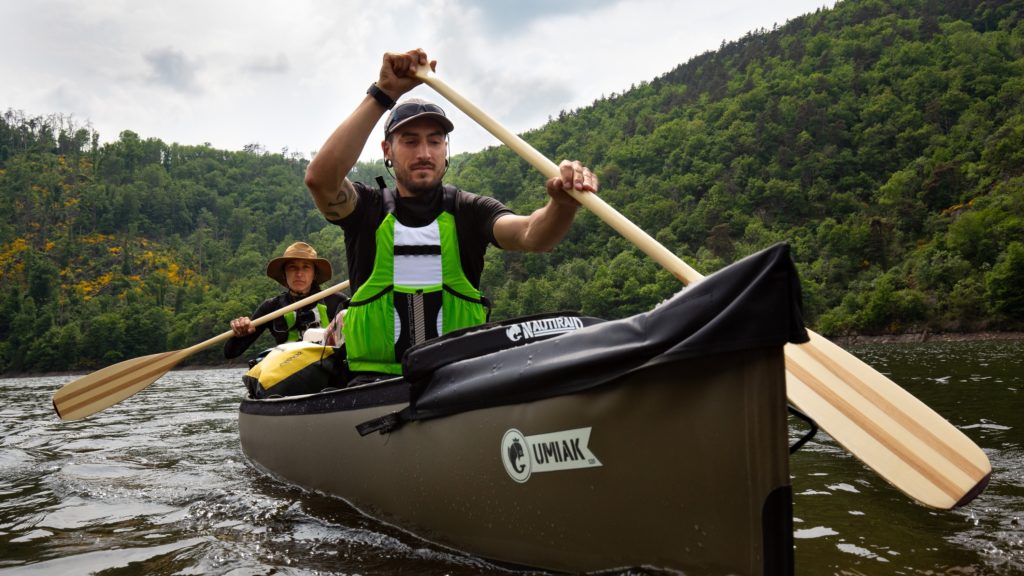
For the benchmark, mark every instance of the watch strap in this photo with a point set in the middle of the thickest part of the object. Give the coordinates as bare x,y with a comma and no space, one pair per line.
380,96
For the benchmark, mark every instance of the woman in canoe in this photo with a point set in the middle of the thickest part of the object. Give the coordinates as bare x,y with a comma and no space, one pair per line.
301,272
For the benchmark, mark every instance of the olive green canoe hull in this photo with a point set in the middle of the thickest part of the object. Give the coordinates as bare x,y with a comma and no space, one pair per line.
685,469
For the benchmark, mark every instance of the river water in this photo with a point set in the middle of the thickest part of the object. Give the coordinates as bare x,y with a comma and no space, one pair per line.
158,485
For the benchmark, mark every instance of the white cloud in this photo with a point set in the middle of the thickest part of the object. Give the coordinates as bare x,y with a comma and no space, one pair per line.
284,74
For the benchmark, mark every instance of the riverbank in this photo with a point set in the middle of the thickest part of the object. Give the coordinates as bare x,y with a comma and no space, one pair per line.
236,363
844,341
916,338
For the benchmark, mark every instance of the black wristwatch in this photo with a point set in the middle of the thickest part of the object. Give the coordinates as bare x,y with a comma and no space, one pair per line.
380,96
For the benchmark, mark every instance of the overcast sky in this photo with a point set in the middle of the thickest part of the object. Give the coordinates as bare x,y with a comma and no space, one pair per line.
284,73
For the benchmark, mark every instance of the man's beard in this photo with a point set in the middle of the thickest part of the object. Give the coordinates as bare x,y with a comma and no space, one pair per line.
417,187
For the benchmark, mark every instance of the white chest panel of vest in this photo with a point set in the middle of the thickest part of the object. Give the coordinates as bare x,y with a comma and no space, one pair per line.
418,269
414,270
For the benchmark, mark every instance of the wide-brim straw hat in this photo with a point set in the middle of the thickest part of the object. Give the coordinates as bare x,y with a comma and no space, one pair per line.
299,251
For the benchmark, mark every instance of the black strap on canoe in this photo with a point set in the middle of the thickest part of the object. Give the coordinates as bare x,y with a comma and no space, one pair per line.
384,424
806,437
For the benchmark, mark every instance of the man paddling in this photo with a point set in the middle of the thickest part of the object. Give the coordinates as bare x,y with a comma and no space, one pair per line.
301,272
416,253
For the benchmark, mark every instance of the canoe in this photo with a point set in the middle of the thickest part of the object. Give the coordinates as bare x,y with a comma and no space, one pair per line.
566,443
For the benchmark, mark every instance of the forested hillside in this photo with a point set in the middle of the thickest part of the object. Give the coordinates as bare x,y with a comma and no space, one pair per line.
882,139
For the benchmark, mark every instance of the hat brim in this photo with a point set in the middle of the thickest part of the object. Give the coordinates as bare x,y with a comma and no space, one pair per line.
321,267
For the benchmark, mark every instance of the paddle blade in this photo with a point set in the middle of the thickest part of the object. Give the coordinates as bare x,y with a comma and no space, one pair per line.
104,388
887,428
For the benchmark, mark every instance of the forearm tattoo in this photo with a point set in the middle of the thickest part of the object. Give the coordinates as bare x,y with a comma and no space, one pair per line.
341,204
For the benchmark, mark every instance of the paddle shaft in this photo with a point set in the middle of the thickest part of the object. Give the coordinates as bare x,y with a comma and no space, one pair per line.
104,388
271,317
887,428
592,202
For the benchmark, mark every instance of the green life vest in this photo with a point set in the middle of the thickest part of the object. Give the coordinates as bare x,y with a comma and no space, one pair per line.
295,332
417,290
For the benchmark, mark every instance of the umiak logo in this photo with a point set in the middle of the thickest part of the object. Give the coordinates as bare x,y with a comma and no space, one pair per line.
543,328
565,450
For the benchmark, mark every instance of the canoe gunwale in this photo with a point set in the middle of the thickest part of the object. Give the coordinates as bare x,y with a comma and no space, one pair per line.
383,393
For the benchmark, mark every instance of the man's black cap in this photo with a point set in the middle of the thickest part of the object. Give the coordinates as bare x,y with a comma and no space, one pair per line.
414,108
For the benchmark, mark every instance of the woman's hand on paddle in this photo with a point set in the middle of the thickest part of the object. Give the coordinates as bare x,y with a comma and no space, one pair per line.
398,72
242,326
574,176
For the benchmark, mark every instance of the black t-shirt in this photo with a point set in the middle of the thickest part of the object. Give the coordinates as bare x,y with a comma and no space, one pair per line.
474,222
278,327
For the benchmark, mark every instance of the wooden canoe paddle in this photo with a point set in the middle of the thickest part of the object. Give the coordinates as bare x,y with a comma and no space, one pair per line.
104,388
887,428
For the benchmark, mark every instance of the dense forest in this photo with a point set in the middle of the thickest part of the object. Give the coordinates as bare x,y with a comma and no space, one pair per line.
881,138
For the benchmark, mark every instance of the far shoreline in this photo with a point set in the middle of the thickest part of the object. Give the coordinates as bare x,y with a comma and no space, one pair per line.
844,341
920,337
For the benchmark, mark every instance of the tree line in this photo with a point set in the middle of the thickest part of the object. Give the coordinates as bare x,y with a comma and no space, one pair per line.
880,138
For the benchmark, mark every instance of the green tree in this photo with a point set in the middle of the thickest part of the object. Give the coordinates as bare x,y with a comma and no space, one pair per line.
1003,283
